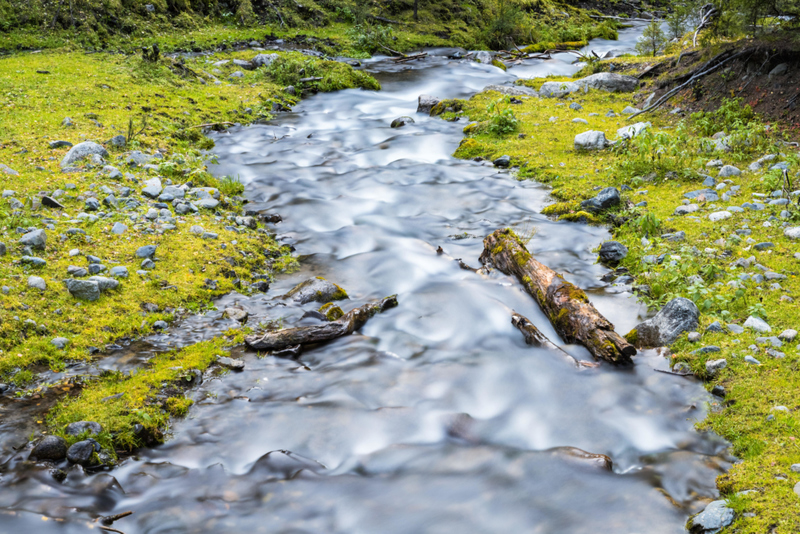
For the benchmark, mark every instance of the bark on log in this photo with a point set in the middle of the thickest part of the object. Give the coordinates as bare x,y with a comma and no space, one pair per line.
535,338
567,307
347,324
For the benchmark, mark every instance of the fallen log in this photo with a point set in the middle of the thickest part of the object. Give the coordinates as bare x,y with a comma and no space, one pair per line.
535,338
345,325
567,307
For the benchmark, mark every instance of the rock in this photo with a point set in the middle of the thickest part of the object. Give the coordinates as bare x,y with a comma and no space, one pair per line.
688,208
79,427
209,235
750,359
557,89
629,132
37,239
243,63
152,188
316,290
237,314
591,140
81,452
677,316
32,260
264,60
714,366
8,170
147,251
59,342
60,144
715,327
720,216
67,122
787,335
137,158
91,204
630,110
160,325
2,249
674,237
735,328
78,272
37,282
426,103
502,162
718,390
575,106
757,324
50,202
207,203
119,228
694,337
605,199
607,81
103,283
83,289
81,151
147,264
230,363
612,252
119,271
52,448
580,121
118,141
709,194
511,90
716,516
792,232
237,74
402,121
779,70
728,170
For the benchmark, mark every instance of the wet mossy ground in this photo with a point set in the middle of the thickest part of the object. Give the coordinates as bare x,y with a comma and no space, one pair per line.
658,168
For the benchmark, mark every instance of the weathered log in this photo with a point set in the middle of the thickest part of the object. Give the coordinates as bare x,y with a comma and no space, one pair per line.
567,307
535,338
347,324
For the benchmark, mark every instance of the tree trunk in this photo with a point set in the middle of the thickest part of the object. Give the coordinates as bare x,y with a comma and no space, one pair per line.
567,307
416,9
347,324
535,338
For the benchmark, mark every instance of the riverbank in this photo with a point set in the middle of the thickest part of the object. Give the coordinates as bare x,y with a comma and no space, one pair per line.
704,213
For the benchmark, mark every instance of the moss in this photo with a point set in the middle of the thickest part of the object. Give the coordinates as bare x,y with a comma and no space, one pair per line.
331,311
632,337
447,106
571,291
498,249
522,257
499,64
582,217
560,208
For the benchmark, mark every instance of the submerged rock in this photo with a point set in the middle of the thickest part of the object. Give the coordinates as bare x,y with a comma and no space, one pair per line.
678,316
402,121
316,290
716,516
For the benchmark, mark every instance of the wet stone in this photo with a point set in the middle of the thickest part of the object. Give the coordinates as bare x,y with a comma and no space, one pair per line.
231,363
676,317
613,252
82,452
79,427
316,290
52,448
716,515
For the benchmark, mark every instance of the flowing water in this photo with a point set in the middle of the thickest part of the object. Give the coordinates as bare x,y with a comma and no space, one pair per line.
436,417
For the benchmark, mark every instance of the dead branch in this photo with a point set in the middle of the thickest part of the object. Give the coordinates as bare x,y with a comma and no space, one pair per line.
535,338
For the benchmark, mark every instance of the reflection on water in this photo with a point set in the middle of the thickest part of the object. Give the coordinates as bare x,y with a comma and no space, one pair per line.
436,417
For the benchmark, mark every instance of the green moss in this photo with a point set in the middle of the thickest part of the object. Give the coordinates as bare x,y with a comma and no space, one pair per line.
331,311
499,64
632,337
582,217
447,106
560,208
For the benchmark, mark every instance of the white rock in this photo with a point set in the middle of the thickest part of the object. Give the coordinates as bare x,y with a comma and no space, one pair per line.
591,140
757,324
720,216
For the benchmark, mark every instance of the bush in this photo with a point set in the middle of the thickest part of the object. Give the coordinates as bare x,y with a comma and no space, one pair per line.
652,40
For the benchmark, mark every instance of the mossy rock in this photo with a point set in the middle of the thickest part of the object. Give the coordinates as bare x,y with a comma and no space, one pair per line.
499,64
632,337
560,208
582,217
331,311
447,106
470,148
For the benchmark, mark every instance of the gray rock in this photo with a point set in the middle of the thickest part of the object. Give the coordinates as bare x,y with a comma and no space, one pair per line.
148,264
137,158
605,199
237,314
8,170
630,110
118,141
629,132
32,260
502,162
607,81
81,151
103,283
91,204
674,237
237,74
591,140
119,271
160,325
764,246
750,359
483,57
147,251
2,249
316,290
87,290
613,252
694,337
716,516
209,235
402,121
78,272
37,282
787,335
230,363
59,342
575,106
79,427
558,89
50,202
60,144
757,324
715,327
37,239
714,366
207,203
779,70
792,232
685,210
52,448
119,228
264,60
709,194
426,103
677,316
580,121
728,170
243,63
735,328
82,452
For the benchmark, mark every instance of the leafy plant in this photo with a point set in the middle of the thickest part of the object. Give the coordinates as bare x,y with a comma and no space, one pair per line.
502,120
230,186
648,223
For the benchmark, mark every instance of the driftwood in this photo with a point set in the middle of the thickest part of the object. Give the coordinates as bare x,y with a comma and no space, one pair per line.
347,324
404,59
568,307
535,338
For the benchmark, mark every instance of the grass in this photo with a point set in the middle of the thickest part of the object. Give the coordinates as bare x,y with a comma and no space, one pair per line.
659,168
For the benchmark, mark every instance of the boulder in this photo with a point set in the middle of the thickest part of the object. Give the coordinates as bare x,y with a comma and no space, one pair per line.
316,290
483,57
716,516
81,151
243,63
87,290
508,90
677,316
52,448
728,170
426,103
605,199
81,452
612,252
629,132
79,427
557,89
591,140
264,60
35,239
37,282
608,81
757,324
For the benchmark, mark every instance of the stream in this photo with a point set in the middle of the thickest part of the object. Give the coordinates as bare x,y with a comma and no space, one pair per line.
435,417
